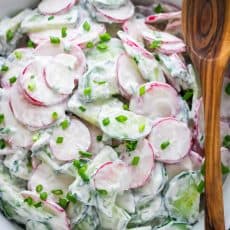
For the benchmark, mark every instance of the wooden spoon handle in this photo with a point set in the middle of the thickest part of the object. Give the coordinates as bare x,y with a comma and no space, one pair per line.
211,73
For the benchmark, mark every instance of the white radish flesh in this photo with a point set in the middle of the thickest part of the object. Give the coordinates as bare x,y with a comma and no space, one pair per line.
170,140
163,17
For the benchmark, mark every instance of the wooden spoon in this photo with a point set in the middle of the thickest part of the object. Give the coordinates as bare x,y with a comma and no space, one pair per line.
206,28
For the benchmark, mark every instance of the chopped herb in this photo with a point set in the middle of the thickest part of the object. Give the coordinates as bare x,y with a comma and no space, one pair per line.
83,109
43,196
89,45
121,118
225,169
106,121
82,173
102,192
2,118
71,197
102,46
35,137
57,192
125,106
226,141
30,44
105,37
227,89
39,188
9,35
4,68
12,80
155,44
79,163
38,204
142,90
87,91
31,87
141,128
18,55
99,138
99,82
54,115
50,18
188,94
157,57
2,144
64,124
164,145
200,187
29,201
55,40
63,202
135,160
59,140
135,59
64,32
158,9
131,145
85,154
86,26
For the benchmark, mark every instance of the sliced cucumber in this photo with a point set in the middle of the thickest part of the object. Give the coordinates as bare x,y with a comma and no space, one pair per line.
172,225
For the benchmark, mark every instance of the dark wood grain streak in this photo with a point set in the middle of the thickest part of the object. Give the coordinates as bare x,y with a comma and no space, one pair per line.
206,27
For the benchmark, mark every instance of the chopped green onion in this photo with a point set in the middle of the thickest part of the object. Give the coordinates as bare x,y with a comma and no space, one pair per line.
57,192
121,118
155,44
2,118
59,140
135,160
136,59
9,35
38,204
70,197
157,57
63,202
85,154
35,137
200,187
106,121
86,26
158,9
79,164
89,45
4,68
87,91
39,188
227,89
29,201
105,37
64,124
55,40
64,32
225,169
82,109
12,80
141,128
50,18
18,55
102,46
131,145
226,141
125,106
99,138
188,94
142,90
31,87
99,82
54,115
2,144
30,44
43,196
164,145
83,176
102,192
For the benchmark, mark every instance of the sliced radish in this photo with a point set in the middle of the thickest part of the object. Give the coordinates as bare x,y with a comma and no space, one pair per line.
117,15
124,125
31,115
141,172
170,140
112,176
53,7
155,100
59,220
13,72
128,76
171,48
34,86
45,176
75,138
163,17
111,4
174,28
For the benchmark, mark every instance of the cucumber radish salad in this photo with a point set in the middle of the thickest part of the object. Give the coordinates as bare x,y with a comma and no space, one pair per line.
101,118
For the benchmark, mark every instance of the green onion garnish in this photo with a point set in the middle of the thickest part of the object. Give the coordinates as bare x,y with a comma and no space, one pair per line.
18,55
131,145
142,90
2,144
57,192
89,45
87,91
106,121
155,44
158,9
86,26
43,196
99,138
102,192
12,80
141,128
39,188
102,46
121,118
135,160
4,68
30,44
29,201
85,154
226,141
59,140
55,40
9,35
2,118
31,86
54,115
105,37
64,124
50,18
164,145
64,32
82,109
63,202
71,197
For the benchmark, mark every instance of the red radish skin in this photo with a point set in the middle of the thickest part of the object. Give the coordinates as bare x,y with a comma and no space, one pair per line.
162,17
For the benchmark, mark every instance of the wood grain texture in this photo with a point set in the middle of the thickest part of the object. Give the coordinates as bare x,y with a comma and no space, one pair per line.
206,27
